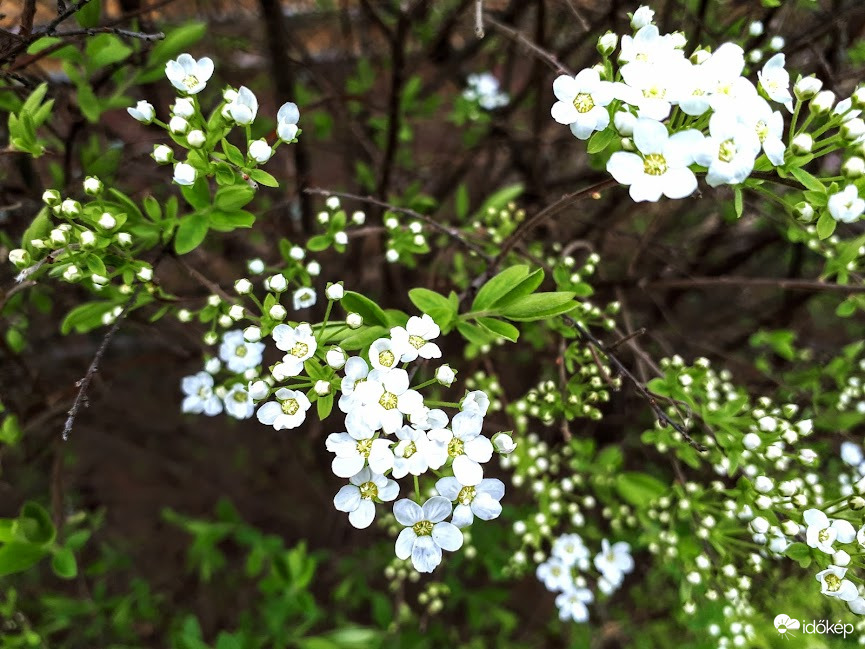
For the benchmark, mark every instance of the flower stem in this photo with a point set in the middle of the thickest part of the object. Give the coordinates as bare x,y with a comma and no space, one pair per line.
417,489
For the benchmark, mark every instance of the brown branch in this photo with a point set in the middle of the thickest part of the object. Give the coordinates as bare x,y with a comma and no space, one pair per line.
27,15
48,30
769,282
538,51
479,18
92,31
84,383
453,233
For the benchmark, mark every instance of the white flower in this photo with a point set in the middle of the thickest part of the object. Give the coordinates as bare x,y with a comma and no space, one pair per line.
729,152
624,121
769,127
287,412
162,154
238,354
258,390
358,498
661,168
653,88
445,375
356,371
642,16
851,453
833,584
481,500
260,151
200,397
183,107
846,206
411,453
822,102
357,446
142,111
335,358
184,174
504,444
614,561
414,338
476,402
555,575
384,353
775,81
300,345
822,532
582,102
188,75
286,121
334,292
244,107
238,402
426,534
465,445
807,87
648,47
386,398
303,298
572,604
571,550
484,88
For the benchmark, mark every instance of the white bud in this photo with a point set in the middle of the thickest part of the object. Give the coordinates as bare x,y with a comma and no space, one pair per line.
391,255
841,558
854,167
445,375
313,268
759,525
235,312
335,358
51,197
87,238
755,28
20,257
57,237
340,238
332,202
322,388
751,441
255,266
210,338
107,221
258,390
504,444
354,320
790,528
642,17
243,286
124,239
145,273
763,484
607,43
822,102
323,218
92,186
358,218
277,312
260,151
162,154
178,125
777,43
807,87
183,107
70,207
334,292
853,129
252,334
276,283
802,143
196,138
71,273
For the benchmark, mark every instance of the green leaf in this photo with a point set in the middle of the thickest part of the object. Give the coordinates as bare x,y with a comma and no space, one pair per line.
474,334
363,337
808,181
191,232
539,306
233,154
501,198
89,14
228,221
461,202
499,286
233,197
738,202
436,305
35,524
103,50
639,489
324,405
198,194
39,228
372,313
17,557
263,178
826,225
319,242
799,552
601,140
500,328
85,317
128,205
176,41
43,44
63,564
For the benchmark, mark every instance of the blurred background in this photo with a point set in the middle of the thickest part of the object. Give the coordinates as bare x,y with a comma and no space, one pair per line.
178,509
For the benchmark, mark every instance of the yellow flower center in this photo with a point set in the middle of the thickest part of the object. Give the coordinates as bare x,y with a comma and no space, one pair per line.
388,401
823,535
368,490
455,447
642,56
583,102
654,92
416,341
290,406
241,351
423,528
386,358
300,350
466,495
240,396
190,81
410,450
655,164
833,582
727,151
204,392
364,446
762,130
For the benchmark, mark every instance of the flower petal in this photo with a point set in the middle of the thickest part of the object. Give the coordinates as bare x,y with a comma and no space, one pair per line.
447,536
362,517
449,488
347,499
486,507
407,512
625,167
426,554
436,509
405,543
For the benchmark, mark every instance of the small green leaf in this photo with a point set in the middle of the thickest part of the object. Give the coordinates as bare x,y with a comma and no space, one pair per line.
324,405
601,140
639,489
198,194
539,306
499,286
436,305
63,564
263,178
461,202
500,328
474,334
233,197
808,181
825,225
372,313
738,202
190,232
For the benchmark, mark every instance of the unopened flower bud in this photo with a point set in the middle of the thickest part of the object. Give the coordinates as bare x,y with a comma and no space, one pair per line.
354,320
276,283
804,212
854,167
20,257
802,143
51,197
92,186
504,443
70,207
853,129
822,102
107,221
243,286
252,334
178,125
258,390
196,138
334,292
607,43
277,312
235,312
162,154
335,358
807,87
87,239
322,388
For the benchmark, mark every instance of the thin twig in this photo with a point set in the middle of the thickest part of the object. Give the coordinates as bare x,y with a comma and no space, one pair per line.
549,57
92,31
770,282
453,233
479,18
84,383
583,22
613,346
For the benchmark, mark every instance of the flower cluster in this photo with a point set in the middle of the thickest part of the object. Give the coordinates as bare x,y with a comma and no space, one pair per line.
570,560
484,88
677,116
